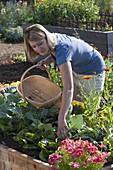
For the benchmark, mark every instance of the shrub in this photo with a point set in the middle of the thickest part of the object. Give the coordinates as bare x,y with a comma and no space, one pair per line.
46,11
14,34
105,5
14,14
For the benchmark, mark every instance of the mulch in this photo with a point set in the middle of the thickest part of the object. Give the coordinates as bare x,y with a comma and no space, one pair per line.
10,71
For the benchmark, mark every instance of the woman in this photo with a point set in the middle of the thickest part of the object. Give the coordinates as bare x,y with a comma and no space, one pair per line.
75,59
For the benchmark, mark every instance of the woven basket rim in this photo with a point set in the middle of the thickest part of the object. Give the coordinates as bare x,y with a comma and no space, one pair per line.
35,102
35,75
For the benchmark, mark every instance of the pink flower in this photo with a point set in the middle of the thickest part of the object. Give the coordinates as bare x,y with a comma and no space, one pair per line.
102,145
76,154
74,164
54,158
99,157
85,163
79,152
68,145
91,148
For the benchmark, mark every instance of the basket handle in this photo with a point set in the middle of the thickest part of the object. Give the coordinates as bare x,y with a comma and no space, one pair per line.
21,80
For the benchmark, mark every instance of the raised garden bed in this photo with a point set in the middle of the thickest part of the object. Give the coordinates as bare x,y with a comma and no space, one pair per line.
12,158
101,40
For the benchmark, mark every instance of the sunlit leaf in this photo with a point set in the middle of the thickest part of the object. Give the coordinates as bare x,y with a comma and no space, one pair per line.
76,121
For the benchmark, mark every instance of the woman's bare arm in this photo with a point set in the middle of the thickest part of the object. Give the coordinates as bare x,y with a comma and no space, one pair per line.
67,96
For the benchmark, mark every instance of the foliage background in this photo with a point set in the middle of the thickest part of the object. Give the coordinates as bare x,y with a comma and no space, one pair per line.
14,13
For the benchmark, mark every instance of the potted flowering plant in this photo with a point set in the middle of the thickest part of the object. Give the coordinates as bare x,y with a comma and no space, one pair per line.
77,154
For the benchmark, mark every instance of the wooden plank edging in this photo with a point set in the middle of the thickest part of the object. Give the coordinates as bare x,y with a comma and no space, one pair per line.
110,167
11,159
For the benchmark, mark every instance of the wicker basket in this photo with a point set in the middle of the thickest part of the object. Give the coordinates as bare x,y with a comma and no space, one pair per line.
38,90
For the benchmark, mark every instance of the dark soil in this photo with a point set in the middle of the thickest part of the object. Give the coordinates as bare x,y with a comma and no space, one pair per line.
9,142
12,72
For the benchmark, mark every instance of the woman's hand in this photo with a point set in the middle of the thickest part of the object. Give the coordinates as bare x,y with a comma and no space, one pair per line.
42,64
62,128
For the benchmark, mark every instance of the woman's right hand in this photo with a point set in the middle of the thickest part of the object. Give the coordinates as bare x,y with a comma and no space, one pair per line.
42,64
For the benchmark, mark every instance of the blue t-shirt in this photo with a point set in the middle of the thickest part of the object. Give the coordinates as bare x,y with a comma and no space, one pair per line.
84,58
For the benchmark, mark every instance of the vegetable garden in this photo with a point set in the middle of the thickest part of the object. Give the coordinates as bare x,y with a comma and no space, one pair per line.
36,128
33,129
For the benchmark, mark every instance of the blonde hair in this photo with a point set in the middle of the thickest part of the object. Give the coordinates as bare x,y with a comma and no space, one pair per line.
37,32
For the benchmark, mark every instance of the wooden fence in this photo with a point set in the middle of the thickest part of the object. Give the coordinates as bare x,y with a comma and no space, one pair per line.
104,23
